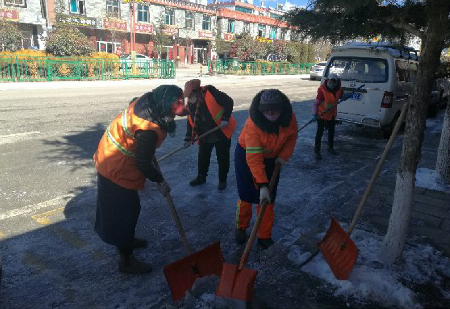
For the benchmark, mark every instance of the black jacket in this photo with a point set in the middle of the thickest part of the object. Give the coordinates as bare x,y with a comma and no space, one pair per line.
204,120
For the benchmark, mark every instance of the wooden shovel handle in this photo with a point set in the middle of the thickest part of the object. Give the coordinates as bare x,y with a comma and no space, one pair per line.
186,244
264,203
183,147
378,168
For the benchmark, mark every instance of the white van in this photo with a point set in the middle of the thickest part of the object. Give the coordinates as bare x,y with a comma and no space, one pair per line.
385,70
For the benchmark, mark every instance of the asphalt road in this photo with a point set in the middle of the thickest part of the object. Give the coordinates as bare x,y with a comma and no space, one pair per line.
53,259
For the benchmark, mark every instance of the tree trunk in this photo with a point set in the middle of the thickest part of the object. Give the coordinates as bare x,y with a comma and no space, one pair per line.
432,44
443,157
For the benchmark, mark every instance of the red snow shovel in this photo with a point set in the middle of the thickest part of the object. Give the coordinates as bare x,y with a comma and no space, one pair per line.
236,281
337,247
181,274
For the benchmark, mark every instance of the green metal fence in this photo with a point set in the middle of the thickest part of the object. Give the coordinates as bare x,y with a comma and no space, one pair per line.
20,68
258,68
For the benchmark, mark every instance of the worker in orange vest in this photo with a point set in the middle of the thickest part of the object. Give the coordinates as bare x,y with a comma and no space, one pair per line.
268,138
324,110
208,108
124,160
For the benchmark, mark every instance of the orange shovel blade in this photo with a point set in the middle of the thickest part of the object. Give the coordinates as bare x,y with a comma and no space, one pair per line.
339,250
236,284
181,274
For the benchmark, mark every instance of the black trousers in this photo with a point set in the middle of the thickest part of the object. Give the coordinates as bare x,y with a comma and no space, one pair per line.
222,154
321,125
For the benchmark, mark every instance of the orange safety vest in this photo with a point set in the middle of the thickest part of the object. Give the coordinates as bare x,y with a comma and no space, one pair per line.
115,155
216,112
330,101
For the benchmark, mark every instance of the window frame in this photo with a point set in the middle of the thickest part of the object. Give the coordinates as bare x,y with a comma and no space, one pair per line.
111,3
231,22
169,13
78,7
206,21
191,19
143,8
263,31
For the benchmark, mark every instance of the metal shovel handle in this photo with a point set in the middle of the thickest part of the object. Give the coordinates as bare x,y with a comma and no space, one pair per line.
183,147
264,204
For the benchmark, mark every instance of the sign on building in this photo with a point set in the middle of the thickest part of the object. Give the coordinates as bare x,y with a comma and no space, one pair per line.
79,21
114,24
8,14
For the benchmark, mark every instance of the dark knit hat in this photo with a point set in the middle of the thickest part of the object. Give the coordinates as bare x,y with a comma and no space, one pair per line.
271,100
164,96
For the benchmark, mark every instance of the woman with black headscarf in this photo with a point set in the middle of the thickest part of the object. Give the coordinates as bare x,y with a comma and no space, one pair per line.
124,160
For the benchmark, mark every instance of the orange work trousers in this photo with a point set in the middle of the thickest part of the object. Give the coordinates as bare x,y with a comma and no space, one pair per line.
244,216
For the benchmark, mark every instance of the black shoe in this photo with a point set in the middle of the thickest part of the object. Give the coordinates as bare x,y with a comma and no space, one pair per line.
240,236
139,243
265,243
332,151
198,181
130,265
222,185
317,155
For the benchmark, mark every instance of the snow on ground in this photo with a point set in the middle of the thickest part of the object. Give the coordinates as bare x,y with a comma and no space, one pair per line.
370,280
430,179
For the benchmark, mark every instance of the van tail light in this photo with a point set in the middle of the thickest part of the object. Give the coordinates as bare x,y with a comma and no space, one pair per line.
387,100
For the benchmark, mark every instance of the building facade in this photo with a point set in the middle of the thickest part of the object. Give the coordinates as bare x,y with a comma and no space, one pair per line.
189,27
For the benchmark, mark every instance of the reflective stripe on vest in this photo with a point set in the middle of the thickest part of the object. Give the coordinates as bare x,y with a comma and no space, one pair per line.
257,150
124,122
118,146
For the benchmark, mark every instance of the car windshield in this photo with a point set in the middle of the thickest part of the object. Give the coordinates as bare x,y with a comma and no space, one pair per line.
365,70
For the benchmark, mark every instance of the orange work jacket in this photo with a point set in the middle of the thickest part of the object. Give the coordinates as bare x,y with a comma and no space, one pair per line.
216,112
115,155
330,102
259,145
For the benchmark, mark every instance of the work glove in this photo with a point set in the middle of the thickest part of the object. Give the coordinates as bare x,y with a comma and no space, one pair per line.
280,161
314,117
164,188
223,124
264,194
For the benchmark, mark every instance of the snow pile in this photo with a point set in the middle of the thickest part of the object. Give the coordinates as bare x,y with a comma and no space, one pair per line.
372,281
430,179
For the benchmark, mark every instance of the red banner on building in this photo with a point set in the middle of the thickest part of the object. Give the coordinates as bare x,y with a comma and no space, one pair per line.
205,34
228,36
169,30
143,28
8,14
114,24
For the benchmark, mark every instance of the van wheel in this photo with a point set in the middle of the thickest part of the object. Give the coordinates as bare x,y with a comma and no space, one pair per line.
387,131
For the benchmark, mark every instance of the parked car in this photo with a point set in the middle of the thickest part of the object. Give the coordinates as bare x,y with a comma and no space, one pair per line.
316,71
142,61
388,73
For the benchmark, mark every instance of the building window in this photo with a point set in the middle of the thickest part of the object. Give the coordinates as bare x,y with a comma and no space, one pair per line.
247,27
189,20
273,33
77,6
143,13
262,31
206,24
230,26
108,47
283,34
170,16
112,8
22,3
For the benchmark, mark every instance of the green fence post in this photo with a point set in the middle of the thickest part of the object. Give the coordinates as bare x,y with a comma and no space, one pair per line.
48,70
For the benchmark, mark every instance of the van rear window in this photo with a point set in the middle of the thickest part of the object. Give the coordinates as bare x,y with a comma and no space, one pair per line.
365,70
